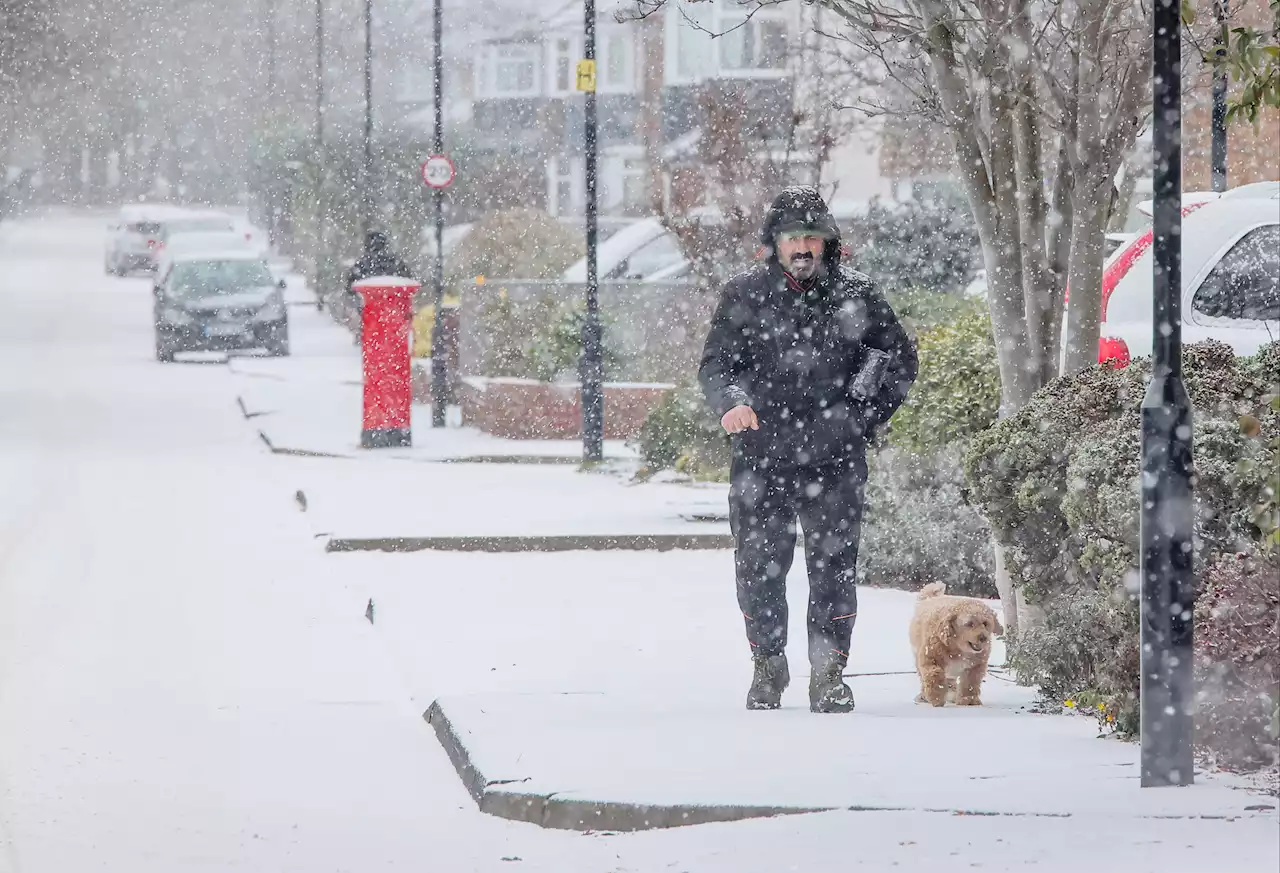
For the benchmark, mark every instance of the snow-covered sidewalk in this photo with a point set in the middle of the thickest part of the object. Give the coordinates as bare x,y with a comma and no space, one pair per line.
308,405
608,687
615,684
188,681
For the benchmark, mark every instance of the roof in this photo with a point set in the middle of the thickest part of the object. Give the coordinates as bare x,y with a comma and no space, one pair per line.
216,255
145,211
234,239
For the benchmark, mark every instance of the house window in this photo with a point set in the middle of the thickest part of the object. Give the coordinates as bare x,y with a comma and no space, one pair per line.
752,45
633,183
751,42
617,63
563,179
563,56
508,70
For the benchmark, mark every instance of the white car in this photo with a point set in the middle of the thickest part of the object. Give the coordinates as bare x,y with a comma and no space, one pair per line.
133,236
1230,277
636,251
140,235
179,245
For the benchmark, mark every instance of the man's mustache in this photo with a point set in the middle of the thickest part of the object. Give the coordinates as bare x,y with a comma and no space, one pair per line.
801,256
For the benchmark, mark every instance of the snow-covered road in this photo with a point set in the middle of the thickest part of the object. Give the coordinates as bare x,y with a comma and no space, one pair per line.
177,690
187,682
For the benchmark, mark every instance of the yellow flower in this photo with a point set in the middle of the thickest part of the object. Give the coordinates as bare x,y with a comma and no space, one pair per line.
1102,706
1070,703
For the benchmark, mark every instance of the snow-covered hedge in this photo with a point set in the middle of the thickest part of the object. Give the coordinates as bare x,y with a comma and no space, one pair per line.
1238,661
1058,481
931,244
682,433
957,392
918,527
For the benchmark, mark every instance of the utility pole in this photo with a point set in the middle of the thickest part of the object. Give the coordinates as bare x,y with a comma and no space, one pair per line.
271,54
366,166
268,117
322,167
1167,692
1219,149
439,354
592,357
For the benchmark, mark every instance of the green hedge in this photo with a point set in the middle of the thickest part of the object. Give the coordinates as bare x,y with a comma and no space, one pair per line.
1059,483
957,392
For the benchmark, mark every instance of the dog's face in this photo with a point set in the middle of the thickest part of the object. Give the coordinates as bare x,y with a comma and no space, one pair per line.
973,629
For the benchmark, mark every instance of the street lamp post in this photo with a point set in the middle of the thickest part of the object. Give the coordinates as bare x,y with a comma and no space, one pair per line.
592,358
1166,523
1219,147
322,217
439,377
366,166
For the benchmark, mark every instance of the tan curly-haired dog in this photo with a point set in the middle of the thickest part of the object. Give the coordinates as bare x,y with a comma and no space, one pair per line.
951,638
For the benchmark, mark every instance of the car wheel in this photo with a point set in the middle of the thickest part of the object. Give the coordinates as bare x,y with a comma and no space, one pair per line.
164,351
277,342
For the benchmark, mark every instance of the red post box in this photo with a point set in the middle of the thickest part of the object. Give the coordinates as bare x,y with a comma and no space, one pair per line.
386,320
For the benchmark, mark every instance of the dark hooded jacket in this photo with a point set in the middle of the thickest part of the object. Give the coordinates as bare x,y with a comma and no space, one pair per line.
790,351
377,260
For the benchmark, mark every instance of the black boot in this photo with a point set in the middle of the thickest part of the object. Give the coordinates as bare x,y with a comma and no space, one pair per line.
771,678
828,691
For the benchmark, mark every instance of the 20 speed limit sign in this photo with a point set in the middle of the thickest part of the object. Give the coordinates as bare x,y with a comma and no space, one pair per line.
438,171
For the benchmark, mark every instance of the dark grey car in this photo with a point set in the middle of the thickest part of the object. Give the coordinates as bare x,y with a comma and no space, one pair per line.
220,303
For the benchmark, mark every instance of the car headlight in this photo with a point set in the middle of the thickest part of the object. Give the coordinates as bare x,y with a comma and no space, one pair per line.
272,310
173,315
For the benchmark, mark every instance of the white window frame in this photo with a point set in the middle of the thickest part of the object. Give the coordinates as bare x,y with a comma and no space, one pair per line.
554,55
562,170
749,27
637,173
495,55
717,17
614,37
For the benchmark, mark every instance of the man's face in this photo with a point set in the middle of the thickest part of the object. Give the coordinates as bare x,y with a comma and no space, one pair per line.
800,252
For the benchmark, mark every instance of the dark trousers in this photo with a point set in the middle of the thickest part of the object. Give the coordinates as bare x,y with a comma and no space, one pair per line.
766,499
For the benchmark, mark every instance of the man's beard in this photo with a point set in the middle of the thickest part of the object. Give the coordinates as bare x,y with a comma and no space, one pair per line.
804,267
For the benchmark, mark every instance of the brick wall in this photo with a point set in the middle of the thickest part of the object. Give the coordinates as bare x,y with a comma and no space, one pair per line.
525,409
1253,152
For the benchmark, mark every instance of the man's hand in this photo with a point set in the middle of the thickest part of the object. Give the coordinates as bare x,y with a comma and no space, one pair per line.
739,419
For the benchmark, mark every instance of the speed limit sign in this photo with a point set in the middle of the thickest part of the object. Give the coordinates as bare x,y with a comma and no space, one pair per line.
437,171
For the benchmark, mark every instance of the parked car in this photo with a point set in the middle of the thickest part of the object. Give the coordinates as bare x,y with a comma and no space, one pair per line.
1230,277
189,222
219,301
179,245
133,235
634,252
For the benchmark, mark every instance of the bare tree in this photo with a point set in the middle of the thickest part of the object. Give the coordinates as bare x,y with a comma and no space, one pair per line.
712,187
1042,100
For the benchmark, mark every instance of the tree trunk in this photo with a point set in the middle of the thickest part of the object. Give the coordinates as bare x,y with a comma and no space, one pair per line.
1004,587
1039,292
1084,309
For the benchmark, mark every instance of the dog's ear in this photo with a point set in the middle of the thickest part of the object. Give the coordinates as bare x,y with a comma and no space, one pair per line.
953,626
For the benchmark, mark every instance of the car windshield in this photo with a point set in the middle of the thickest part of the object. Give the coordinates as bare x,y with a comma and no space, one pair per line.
197,225
201,278
145,227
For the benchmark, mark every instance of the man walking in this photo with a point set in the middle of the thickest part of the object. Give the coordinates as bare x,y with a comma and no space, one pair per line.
804,362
